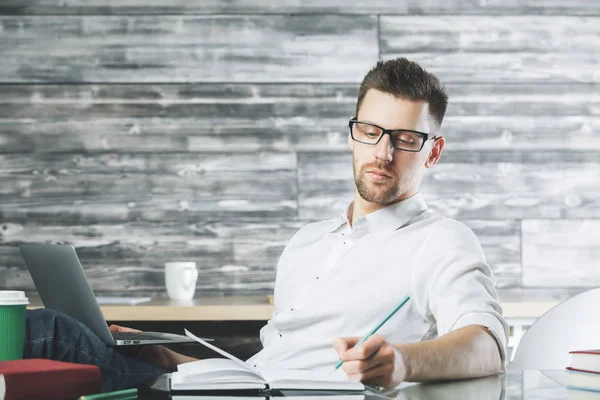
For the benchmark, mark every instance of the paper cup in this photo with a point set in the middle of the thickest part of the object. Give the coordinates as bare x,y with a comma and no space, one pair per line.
13,305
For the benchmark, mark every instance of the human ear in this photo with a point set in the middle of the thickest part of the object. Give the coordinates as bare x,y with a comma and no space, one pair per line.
436,152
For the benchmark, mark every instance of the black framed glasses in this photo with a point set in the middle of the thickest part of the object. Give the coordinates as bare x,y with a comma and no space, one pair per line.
402,139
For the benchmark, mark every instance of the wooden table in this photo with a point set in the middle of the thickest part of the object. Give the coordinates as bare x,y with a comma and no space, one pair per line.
234,308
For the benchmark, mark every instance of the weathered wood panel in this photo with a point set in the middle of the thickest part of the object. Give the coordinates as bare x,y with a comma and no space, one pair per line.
516,133
544,188
497,49
180,164
466,67
489,34
538,294
286,117
170,117
152,187
412,7
561,253
501,243
187,49
231,255
508,99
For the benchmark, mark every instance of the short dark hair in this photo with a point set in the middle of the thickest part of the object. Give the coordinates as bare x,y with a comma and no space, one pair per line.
408,80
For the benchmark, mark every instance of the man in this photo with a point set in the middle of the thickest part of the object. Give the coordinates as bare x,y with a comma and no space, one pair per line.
337,279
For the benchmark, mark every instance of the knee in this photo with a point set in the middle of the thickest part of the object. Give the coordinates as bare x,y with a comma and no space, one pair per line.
44,316
44,321
41,313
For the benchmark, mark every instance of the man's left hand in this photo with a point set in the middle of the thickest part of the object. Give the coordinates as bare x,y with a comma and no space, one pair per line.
155,354
373,362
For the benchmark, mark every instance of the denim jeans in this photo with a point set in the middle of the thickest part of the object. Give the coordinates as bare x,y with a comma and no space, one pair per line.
53,335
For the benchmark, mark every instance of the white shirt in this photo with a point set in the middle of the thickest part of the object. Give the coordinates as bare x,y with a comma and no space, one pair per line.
334,280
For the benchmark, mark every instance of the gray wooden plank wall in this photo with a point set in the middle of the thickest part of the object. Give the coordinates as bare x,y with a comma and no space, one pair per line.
143,132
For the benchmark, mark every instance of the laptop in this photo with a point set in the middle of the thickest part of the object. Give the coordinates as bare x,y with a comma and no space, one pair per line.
62,286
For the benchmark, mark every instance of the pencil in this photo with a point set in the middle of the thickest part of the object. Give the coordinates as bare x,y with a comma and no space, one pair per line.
127,394
368,335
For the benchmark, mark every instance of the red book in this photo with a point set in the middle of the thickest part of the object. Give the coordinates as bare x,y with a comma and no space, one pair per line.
585,361
38,378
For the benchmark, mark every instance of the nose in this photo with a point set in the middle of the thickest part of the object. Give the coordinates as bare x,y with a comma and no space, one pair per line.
384,151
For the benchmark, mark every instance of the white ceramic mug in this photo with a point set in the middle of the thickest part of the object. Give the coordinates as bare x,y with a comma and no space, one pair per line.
180,279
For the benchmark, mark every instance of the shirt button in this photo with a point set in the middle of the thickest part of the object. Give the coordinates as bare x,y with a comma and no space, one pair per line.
280,335
317,277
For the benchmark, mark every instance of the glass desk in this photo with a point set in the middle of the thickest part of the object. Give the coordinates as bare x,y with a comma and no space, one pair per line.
514,385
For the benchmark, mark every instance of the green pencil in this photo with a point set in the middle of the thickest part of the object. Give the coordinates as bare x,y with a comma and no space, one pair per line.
128,394
368,335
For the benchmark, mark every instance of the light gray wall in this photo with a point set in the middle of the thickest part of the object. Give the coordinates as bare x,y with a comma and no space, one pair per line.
143,132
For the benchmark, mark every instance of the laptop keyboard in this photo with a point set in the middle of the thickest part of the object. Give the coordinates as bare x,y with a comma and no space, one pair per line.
137,336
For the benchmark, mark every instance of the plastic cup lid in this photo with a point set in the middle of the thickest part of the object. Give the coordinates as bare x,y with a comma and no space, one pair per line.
12,298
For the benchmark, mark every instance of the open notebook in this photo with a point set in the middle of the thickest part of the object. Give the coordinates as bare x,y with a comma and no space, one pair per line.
231,373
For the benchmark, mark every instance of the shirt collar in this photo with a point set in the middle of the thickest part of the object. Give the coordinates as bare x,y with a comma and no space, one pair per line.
388,218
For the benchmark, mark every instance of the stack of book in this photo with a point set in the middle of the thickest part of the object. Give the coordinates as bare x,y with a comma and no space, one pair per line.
584,375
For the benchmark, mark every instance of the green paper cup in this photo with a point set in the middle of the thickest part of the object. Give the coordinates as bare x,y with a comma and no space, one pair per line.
13,305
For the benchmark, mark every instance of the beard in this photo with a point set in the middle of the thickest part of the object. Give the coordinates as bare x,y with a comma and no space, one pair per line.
383,193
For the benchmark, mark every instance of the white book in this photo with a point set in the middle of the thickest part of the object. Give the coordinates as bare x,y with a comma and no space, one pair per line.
584,380
231,373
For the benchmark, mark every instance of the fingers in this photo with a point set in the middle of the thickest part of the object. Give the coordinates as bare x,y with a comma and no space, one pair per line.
344,343
364,350
118,328
378,375
382,377
383,356
372,362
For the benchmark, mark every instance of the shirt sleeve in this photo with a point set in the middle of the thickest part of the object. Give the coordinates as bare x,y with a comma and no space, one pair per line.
455,285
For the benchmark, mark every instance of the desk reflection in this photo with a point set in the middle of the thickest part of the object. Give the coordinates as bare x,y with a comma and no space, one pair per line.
488,388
